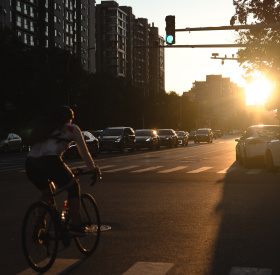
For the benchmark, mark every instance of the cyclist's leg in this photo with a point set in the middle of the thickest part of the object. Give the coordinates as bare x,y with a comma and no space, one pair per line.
63,177
36,172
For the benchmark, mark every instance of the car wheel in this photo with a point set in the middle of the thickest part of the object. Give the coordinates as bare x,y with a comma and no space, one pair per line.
269,163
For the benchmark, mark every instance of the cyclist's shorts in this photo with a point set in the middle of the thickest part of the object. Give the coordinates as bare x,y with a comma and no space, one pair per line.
48,168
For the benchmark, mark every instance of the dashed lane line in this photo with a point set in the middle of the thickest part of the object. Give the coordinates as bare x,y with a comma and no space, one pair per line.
149,268
173,169
227,170
60,266
121,169
146,169
202,169
250,271
254,171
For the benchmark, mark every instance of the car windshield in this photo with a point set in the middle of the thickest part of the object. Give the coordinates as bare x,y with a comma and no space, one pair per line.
180,133
143,133
3,136
112,132
163,132
268,131
202,131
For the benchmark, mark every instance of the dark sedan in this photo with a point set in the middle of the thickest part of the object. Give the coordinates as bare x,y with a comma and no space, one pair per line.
167,137
183,138
147,138
91,142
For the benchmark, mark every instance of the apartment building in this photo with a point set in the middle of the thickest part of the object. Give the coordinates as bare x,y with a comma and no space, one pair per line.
66,24
218,99
123,47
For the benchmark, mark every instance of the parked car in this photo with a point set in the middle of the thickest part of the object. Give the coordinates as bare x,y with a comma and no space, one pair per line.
167,137
183,138
217,133
10,142
192,135
91,142
252,145
204,135
96,133
117,139
147,138
272,155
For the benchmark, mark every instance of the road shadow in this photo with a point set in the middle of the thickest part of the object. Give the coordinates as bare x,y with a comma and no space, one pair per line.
249,233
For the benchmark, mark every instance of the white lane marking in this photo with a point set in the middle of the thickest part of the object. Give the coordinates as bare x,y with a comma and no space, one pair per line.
107,166
250,271
173,169
59,266
202,169
227,170
121,169
146,169
254,171
140,268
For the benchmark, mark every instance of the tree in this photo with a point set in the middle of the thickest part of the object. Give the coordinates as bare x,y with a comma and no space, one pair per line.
262,60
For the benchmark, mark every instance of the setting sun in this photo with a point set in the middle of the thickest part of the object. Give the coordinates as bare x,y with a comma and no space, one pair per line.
258,91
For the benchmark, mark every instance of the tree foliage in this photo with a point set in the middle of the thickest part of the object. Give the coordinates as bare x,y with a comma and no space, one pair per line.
264,60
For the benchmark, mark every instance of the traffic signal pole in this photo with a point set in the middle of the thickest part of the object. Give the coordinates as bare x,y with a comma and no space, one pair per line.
236,27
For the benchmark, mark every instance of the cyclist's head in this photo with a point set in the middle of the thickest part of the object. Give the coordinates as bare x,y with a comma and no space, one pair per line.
64,113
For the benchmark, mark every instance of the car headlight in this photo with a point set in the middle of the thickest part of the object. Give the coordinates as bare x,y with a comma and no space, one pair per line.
118,139
148,139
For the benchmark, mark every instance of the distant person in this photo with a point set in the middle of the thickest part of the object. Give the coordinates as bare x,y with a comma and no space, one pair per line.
44,162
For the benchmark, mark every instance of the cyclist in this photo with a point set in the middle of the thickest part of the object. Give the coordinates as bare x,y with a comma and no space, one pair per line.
44,163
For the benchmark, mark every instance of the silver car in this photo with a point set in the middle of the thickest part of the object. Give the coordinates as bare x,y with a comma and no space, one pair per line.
252,144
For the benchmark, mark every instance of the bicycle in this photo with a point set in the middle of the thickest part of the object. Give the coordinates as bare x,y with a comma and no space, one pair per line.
44,226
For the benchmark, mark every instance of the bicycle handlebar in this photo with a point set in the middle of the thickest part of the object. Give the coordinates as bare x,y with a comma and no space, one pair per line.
95,176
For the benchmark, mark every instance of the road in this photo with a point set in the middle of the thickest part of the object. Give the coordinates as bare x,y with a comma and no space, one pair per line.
186,210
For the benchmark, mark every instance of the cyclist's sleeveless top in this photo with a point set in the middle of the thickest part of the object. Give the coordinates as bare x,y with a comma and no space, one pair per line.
61,142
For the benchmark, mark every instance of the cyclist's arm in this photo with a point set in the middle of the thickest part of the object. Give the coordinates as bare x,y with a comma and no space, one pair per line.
82,148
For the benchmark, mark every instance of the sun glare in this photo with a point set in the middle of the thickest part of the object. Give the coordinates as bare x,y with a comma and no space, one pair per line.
257,92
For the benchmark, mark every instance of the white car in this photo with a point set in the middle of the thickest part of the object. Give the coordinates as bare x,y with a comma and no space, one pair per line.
253,143
272,155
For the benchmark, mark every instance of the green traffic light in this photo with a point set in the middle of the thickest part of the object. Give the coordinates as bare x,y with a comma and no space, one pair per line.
169,39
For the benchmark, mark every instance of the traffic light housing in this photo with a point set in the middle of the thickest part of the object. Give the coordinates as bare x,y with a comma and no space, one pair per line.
170,29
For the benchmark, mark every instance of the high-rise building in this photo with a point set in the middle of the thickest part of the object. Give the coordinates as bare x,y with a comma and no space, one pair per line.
218,99
126,47
156,58
66,24
111,39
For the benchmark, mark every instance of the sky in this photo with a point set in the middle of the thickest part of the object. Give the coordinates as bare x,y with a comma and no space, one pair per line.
184,66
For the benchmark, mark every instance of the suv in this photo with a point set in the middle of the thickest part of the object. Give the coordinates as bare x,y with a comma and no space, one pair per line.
117,139
204,134
167,137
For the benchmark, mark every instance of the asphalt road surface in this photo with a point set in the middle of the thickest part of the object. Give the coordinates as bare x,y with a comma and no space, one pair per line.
186,210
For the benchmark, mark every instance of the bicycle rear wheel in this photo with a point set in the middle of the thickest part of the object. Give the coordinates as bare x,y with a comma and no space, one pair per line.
91,223
39,237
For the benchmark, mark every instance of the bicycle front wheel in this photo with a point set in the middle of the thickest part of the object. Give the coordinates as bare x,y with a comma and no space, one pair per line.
39,236
91,223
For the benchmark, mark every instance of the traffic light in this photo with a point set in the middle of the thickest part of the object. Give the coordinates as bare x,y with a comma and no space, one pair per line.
170,29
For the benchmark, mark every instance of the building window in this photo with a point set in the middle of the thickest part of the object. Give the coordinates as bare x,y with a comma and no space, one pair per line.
18,6
19,21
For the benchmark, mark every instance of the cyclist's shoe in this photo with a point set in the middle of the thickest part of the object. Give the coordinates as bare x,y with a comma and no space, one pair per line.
76,231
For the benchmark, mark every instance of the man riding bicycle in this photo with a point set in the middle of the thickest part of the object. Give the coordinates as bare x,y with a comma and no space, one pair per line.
44,163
